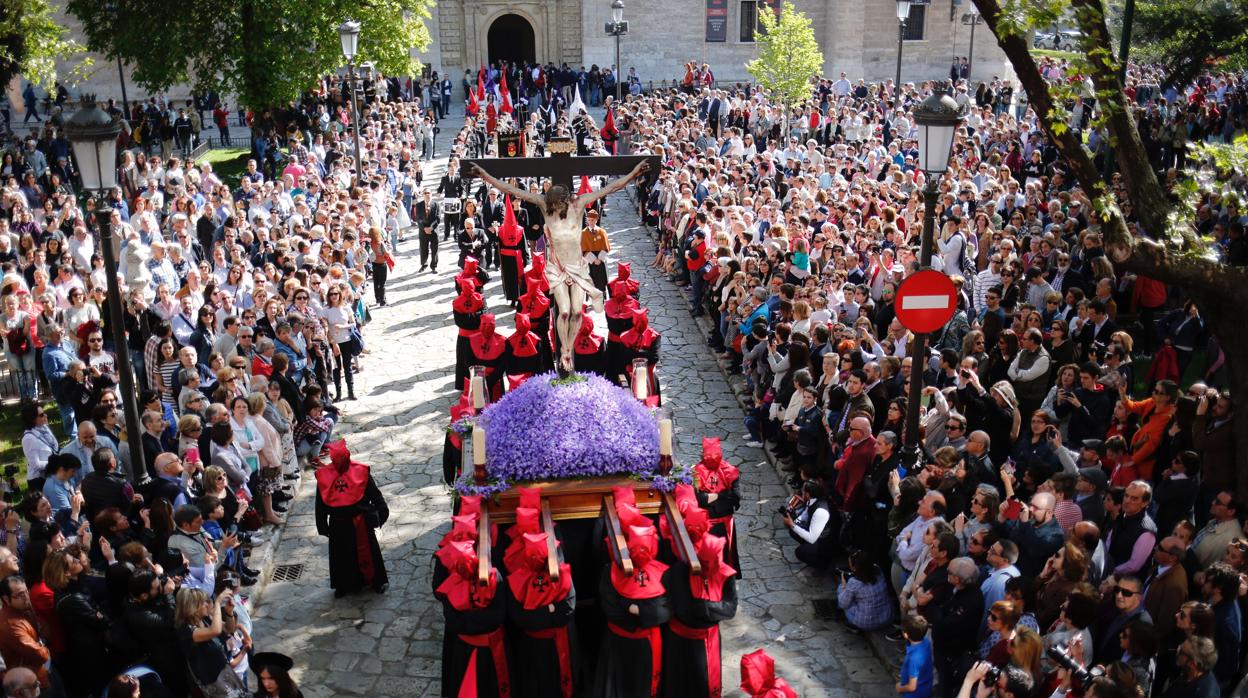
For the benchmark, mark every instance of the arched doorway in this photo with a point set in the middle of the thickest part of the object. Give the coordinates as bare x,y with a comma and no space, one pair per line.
511,39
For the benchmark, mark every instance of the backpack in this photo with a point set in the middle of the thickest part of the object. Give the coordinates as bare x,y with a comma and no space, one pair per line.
18,340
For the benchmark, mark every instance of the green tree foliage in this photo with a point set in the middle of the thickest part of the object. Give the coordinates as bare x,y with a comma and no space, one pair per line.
265,51
1187,36
788,56
31,41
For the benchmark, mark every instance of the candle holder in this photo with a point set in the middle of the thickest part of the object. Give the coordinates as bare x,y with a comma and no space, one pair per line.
666,430
641,379
478,454
478,390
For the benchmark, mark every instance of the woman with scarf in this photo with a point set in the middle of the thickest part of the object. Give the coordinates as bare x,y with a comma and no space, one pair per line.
467,309
719,493
522,355
486,348
474,651
636,606
700,602
348,509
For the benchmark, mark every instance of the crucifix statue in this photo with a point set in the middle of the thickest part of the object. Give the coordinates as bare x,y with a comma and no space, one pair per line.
566,271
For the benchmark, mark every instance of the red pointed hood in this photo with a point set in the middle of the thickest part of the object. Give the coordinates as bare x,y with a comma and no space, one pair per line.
534,301
468,275
463,527
510,232
486,343
646,581
530,580
460,588
758,677
463,408
528,520
709,586
586,341
713,474
624,495
624,276
530,497
341,482
620,304
535,275
468,300
608,127
502,89
640,336
585,187
523,342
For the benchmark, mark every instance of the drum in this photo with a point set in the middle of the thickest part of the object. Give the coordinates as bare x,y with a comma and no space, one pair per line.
452,207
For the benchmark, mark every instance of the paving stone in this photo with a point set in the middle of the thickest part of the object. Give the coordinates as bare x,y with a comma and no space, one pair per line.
391,645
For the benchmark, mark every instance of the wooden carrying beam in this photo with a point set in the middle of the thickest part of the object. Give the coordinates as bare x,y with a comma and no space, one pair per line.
563,169
680,535
552,549
483,548
616,541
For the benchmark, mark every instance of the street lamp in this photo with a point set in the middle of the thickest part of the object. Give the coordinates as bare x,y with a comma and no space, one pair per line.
349,35
617,27
972,18
903,13
937,119
93,133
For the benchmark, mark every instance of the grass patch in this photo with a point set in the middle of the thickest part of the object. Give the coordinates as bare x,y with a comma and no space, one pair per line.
228,163
1051,53
11,436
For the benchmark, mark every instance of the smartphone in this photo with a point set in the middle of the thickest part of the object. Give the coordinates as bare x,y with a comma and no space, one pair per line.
925,401
192,454
1008,466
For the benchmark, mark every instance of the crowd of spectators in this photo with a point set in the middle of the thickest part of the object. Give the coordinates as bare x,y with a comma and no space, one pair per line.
245,306
1074,502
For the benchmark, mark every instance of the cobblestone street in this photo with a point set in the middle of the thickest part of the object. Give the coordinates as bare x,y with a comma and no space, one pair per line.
390,645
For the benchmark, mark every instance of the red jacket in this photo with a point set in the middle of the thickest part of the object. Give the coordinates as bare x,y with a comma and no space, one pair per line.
852,468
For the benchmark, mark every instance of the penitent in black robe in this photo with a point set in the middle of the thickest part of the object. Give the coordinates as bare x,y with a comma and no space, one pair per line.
536,649
476,625
348,509
625,666
467,324
686,673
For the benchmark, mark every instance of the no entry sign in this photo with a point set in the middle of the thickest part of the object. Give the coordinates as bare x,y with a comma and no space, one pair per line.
925,301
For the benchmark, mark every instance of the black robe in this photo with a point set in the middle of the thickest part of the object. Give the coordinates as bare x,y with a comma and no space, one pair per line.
624,664
456,652
725,505
613,356
513,259
685,671
537,673
467,324
339,524
591,362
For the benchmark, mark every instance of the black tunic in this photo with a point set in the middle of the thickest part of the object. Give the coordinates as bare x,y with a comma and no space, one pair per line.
537,671
624,664
338,523
456,652
685,671
466,322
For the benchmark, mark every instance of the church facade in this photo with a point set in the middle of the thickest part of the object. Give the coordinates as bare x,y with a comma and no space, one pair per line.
858,37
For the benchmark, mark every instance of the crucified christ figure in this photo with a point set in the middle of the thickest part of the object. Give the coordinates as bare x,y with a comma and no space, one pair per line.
566,269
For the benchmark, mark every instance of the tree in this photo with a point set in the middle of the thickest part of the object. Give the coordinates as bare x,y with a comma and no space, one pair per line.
265,51
788,57
1186,36
31,42
1161,242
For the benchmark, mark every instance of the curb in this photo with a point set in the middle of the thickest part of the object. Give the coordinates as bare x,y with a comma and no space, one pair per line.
264,556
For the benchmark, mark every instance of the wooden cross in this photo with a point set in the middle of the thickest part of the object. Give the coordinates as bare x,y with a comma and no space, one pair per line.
560,167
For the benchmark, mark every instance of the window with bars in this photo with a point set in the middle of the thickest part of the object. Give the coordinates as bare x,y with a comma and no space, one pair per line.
915,22
749,21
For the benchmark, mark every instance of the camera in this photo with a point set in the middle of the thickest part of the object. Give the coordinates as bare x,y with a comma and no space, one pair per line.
10,470
1050,432
1060,654
990,676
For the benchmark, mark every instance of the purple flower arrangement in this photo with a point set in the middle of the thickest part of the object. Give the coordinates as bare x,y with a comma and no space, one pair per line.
549,429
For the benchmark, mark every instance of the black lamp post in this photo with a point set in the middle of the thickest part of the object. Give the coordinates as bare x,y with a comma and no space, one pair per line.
93,134
349,35
973,19
937,118
617,27
903,13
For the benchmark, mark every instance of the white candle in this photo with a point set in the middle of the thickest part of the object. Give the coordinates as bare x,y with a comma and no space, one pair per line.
478,445
641,383
665,437
478,392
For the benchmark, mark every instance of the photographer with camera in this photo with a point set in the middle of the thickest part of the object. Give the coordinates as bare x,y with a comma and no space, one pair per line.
862,594
807,520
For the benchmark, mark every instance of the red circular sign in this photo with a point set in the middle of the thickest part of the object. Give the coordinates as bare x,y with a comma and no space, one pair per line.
925,301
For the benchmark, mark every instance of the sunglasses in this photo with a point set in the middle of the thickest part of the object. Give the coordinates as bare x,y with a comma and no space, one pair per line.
1125,592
